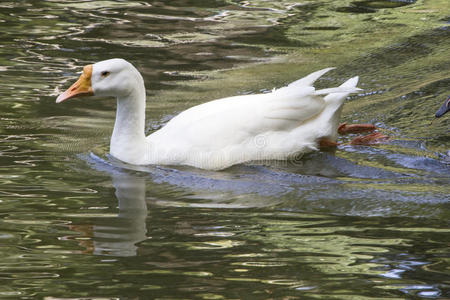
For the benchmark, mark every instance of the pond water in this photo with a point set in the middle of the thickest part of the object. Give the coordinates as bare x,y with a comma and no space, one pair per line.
358,223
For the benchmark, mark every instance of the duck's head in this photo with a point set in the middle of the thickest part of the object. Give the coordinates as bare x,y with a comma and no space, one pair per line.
444,108
109,78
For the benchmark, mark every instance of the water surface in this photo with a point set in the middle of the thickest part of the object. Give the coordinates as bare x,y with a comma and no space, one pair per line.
358,223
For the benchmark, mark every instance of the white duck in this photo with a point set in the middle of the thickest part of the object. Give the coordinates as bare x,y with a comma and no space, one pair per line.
218,134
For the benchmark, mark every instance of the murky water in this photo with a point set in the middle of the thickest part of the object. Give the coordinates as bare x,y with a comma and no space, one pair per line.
359,223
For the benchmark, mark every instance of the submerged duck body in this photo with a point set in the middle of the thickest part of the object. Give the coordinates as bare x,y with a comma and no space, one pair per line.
221,133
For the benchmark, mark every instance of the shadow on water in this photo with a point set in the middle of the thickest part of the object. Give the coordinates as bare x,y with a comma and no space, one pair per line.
389,184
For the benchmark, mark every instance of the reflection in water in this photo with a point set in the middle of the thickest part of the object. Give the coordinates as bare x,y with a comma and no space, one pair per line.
118,236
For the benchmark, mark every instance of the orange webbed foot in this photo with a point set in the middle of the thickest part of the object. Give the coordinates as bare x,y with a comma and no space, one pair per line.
355,128
370,139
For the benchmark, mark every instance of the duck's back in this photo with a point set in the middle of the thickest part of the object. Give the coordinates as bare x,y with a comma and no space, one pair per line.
240,127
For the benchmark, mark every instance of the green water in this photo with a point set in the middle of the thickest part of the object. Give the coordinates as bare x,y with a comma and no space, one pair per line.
357,223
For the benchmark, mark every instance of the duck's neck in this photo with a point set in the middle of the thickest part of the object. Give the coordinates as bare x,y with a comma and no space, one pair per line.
128,138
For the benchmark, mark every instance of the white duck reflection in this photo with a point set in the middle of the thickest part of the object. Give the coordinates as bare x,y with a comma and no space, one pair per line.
119,236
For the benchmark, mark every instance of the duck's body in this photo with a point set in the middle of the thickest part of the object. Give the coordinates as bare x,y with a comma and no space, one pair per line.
218,134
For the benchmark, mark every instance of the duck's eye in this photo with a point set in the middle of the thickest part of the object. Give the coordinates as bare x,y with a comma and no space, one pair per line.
105,74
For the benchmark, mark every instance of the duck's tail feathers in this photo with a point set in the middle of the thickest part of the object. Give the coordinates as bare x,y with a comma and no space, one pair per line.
347,87
352,82
310,79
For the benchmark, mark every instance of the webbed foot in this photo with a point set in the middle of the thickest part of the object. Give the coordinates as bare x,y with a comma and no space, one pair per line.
355,128
370,139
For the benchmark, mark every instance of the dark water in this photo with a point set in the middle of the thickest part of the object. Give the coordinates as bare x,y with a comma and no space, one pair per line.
360,223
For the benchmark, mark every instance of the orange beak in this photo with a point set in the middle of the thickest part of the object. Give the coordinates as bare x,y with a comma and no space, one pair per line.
80,88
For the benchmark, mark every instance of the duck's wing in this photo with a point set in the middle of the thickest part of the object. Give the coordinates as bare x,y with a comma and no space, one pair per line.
231,121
